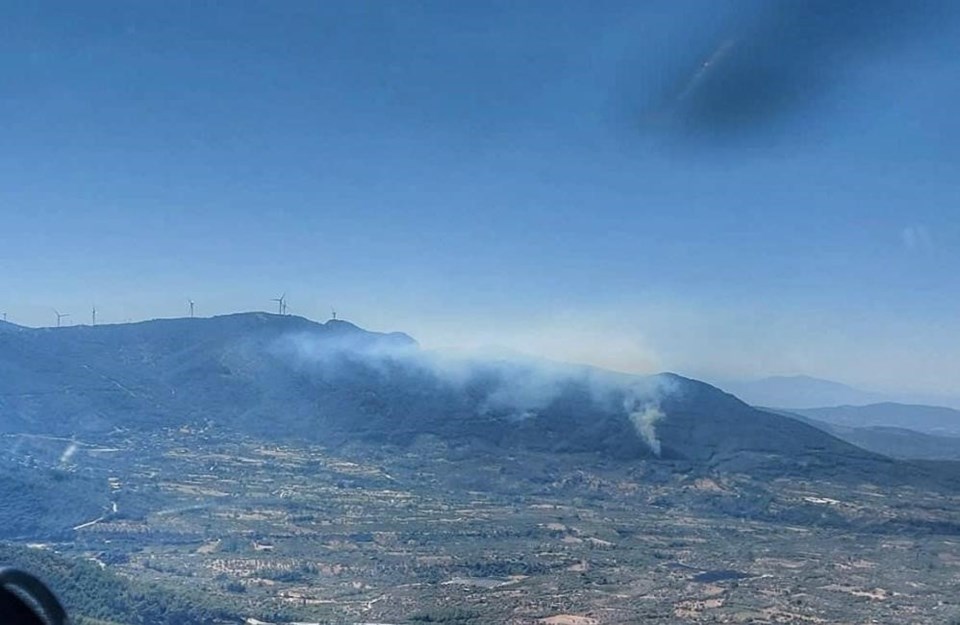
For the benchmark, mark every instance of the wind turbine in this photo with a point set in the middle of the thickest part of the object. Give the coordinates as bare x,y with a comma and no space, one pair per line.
93,315
281,303
60,316
333,313
190,301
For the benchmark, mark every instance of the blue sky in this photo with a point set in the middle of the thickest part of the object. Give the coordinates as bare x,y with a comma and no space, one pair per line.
694,185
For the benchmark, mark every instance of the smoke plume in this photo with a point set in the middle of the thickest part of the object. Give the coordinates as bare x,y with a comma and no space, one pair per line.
645,422
515,389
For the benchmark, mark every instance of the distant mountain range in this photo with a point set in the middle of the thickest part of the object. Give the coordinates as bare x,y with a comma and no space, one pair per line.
867,420
936,420
277,376
892,441
801,391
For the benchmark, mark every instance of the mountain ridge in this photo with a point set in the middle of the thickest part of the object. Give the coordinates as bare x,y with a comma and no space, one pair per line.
936,420
799,391
269,375
891,441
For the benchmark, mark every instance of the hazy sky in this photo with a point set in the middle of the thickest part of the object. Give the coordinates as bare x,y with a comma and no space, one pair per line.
716,188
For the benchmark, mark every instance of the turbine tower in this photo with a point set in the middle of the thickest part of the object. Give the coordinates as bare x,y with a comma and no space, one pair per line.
60,316
190,301
93,316
333,314
281,304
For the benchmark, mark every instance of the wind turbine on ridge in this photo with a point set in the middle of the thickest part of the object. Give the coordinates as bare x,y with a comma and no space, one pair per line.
281,303
60,316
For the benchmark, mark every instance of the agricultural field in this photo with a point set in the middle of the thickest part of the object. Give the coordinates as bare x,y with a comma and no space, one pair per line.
435,533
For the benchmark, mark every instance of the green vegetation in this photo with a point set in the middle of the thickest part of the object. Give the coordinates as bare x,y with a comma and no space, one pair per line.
93,595
222,528
460,616
46,502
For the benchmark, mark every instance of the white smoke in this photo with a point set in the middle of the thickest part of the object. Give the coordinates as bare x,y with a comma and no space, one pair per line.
642,404
645,422
517,387
69,452
310,347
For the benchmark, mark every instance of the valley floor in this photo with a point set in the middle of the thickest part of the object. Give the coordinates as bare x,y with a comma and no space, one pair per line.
435,534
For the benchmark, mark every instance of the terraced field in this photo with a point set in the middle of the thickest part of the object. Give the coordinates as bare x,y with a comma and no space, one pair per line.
431,533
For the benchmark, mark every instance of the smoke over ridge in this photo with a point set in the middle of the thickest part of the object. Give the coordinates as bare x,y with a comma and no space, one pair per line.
515,389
